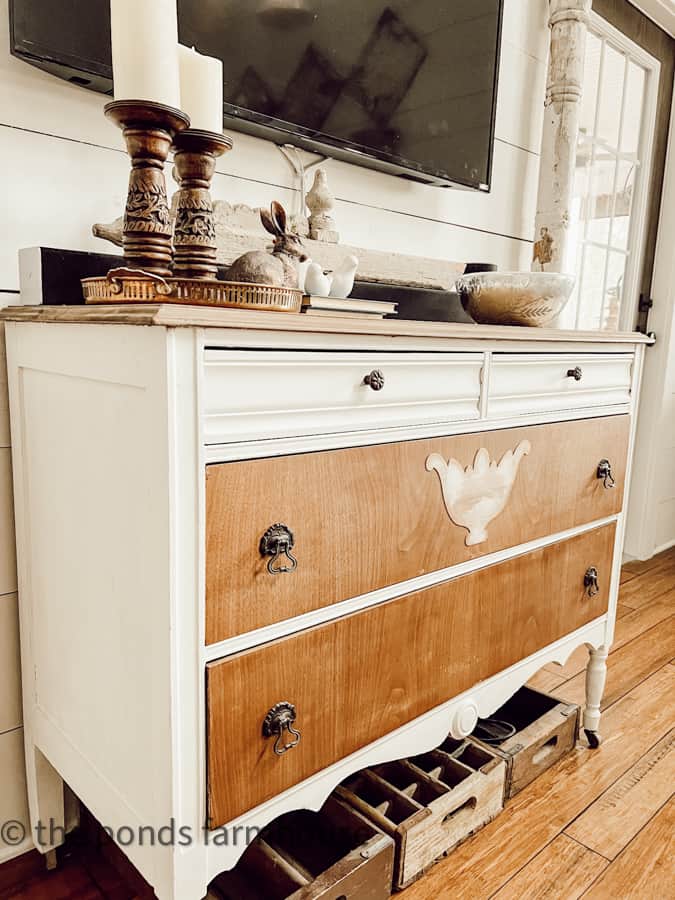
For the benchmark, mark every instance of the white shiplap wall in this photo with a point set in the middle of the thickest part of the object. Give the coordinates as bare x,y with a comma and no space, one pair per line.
63,169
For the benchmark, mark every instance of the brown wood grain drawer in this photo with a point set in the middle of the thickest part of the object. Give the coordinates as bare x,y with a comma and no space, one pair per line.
356,679
367,517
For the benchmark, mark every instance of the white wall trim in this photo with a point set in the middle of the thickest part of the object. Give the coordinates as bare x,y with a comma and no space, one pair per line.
9,853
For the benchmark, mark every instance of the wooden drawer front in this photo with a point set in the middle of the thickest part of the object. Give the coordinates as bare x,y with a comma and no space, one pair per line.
358,678
259,394
521,384
368,517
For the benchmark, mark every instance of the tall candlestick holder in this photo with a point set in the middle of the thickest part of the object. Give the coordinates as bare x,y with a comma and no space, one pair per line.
152,273
195,153
148,129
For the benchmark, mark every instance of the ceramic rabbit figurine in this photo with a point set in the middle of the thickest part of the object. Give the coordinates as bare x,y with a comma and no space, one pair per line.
475,495
277,268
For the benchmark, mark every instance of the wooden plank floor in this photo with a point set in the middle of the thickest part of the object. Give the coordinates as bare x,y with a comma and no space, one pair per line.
599,824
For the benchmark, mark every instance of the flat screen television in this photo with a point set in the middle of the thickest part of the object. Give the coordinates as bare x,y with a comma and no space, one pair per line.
405,86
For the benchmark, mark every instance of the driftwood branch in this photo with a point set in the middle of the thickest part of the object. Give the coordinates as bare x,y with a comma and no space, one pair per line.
238,229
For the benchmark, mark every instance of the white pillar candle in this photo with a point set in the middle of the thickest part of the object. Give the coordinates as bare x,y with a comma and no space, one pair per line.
201,89
144,36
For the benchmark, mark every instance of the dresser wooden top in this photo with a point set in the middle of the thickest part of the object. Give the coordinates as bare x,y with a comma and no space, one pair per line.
180,316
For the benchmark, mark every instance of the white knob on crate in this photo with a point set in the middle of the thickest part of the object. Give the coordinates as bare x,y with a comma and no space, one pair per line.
464,720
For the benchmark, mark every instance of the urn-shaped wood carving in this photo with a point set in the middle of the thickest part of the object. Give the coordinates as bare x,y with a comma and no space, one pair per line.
474,495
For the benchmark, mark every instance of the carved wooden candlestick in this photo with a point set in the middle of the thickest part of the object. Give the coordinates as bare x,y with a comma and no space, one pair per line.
195,154
148,129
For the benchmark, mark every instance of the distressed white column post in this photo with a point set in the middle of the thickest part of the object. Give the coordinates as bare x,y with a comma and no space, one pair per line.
568,23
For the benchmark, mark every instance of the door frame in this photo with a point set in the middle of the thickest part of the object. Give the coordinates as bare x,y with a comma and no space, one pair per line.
659,364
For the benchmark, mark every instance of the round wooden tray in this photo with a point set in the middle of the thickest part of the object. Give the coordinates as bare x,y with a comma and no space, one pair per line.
136,286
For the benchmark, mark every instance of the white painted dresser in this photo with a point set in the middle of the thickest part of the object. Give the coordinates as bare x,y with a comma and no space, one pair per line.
336,539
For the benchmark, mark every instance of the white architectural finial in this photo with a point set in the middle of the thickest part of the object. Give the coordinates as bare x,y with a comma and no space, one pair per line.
320,203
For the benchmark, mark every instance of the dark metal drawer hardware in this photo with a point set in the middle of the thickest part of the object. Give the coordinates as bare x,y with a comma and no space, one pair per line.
605,472
375,379
493,731
575,373
591,581
278,720
278,541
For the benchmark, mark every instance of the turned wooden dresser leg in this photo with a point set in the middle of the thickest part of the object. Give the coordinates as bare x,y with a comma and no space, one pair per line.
596,672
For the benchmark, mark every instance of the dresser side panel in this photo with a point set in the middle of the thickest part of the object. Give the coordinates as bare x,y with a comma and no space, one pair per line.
90,437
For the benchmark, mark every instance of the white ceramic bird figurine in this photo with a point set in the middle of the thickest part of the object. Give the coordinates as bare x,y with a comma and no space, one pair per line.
343,278
474,495
301,269
316,283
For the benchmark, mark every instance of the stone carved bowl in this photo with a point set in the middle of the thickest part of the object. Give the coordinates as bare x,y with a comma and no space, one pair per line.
514,298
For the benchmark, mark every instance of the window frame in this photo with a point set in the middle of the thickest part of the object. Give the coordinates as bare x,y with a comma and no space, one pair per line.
637,232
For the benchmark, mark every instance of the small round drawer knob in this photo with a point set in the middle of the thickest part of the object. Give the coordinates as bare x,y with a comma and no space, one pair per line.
591,581
277,543
375,380
278,722
575,373
604,472
464,720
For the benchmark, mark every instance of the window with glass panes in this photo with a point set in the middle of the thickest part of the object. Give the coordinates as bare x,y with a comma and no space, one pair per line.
608,169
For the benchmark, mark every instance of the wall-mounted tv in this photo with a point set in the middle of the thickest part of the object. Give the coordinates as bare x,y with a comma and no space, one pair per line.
405,86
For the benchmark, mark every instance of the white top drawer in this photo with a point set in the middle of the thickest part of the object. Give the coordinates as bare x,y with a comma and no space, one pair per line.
522,383
249,395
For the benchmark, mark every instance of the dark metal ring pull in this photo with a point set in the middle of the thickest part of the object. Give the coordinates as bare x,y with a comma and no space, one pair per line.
605,472
278,541
591,581
375,379
493,731
575,373
278,720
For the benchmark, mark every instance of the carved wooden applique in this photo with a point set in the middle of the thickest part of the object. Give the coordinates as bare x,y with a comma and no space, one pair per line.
474,495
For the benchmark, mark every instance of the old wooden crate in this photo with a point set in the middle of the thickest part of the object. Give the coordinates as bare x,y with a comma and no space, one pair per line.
335,854
545,729
429,803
